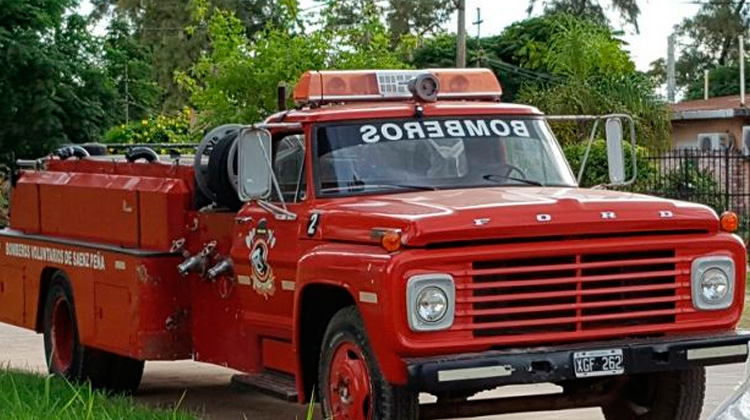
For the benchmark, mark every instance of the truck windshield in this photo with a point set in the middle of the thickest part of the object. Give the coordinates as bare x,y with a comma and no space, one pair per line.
431,154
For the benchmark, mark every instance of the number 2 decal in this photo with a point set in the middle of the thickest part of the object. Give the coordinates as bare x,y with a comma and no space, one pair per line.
312,225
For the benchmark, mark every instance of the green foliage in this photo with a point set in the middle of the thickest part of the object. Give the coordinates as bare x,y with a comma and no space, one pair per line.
595,76
161,28
418,17
403,17
597,168
527,42
237,80
128,65
155,129
591,9
709,39
723,81
491,52
690,182
52,88
28,396
582,49
533,51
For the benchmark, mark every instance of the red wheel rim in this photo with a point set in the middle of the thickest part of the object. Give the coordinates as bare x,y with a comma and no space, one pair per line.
349,384
62,336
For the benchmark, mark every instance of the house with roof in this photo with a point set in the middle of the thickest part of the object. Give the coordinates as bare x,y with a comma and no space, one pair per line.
715,123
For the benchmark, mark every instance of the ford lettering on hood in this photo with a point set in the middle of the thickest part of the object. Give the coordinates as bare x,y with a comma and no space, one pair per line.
454,216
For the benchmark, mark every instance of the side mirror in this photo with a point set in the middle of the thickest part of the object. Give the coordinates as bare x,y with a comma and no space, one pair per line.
615,158
254,159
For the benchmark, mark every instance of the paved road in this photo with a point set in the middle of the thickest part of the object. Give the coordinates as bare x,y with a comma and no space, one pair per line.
208,392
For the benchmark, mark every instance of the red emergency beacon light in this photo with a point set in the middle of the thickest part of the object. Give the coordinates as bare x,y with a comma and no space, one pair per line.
375,85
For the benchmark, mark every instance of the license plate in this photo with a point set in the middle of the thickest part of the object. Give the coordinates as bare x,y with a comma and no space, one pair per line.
598,363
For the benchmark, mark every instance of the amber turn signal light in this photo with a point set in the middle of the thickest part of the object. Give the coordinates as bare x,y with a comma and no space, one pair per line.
391,241
729,221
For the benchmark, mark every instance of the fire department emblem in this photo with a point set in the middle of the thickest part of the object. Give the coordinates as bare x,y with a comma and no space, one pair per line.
260,241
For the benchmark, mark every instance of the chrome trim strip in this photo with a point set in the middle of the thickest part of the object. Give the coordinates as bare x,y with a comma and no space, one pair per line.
717,352
474,373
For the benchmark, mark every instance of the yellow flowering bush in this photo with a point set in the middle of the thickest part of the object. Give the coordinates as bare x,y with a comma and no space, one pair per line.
156,129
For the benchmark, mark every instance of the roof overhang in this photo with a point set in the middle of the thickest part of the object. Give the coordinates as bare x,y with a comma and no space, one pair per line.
710,114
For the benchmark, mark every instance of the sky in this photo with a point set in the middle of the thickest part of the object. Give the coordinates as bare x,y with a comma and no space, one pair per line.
657,20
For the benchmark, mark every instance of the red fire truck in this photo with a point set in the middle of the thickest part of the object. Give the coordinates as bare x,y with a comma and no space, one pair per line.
397,233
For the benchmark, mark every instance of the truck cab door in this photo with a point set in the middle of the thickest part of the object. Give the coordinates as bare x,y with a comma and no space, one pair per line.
267,248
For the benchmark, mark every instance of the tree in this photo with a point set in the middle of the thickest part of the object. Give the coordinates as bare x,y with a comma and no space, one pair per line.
517,56
237,80
710,39
160,25
403,17
129,66
595,76
440,51
591,9
723,81
418,17
52,88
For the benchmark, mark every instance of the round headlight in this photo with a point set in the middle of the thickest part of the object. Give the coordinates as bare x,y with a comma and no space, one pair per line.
432,304
714,285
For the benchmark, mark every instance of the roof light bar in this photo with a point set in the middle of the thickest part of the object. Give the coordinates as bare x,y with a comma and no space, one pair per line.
378,85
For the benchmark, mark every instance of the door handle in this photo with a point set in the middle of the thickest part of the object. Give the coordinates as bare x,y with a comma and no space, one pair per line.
243,220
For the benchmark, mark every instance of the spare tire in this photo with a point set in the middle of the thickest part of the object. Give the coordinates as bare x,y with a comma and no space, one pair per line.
219,180
205,147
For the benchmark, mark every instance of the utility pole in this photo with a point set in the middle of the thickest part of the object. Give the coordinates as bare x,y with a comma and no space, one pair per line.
478,24
742,70
705,84
461,36
670,69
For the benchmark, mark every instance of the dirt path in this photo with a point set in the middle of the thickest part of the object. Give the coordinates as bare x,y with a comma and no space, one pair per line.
208,391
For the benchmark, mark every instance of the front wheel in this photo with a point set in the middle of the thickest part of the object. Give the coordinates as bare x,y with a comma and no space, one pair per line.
350,382
660,396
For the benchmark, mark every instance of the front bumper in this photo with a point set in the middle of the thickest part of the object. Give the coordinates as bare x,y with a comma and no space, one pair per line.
487,370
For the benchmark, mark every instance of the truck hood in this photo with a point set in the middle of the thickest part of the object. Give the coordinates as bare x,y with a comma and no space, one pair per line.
433,217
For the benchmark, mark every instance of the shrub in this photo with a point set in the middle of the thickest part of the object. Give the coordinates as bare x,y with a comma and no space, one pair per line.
690,182
156,129
597,168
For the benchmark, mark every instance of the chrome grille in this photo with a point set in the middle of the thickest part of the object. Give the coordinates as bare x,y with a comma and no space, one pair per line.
571,294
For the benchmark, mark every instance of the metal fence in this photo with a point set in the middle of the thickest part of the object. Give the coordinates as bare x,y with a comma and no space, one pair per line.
719,179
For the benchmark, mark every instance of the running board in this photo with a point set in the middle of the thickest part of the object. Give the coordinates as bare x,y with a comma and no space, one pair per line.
277,385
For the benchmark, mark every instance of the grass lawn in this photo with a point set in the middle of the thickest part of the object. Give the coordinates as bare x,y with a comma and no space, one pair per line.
25,396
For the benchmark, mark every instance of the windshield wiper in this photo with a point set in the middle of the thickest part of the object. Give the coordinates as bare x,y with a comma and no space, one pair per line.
354,188
495,178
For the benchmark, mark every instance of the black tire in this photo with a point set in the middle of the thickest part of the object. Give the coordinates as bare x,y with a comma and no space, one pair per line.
125,374
387,402
104,370
218,173
65,354
660,396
